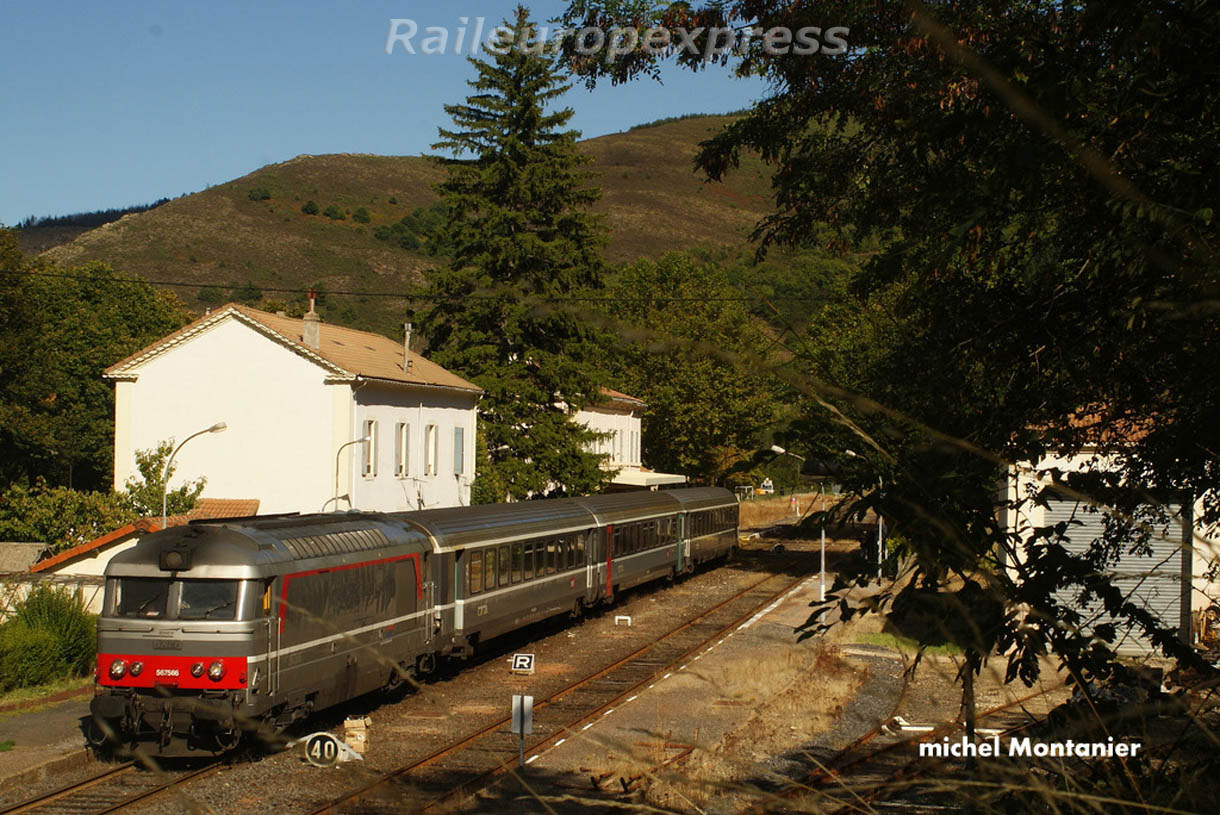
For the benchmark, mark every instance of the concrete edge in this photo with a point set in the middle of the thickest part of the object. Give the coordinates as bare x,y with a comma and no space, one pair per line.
40,771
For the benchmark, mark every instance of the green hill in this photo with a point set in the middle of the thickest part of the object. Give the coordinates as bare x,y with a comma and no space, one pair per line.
252,231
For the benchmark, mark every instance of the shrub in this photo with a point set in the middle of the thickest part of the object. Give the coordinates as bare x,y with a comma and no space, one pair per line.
62,613
259,194
213,295
393,200
361,215
50,636
28,656
310,207
334,213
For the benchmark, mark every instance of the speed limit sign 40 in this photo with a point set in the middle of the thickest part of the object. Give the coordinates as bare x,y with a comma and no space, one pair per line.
322,750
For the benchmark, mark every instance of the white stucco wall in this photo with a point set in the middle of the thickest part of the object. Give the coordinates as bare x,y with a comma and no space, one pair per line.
279,412
418,409
625,445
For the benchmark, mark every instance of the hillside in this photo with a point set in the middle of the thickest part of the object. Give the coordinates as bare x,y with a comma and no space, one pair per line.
652,199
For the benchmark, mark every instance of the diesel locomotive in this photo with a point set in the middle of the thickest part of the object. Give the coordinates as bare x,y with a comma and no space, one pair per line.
217,629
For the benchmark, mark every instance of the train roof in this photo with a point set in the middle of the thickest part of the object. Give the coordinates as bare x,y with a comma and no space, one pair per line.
454,528
703,498
257,547
621,507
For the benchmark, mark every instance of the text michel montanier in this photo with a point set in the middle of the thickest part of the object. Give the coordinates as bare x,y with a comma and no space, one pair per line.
1024,746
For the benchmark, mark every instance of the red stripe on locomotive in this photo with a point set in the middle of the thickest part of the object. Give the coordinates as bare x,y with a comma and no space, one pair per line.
172,672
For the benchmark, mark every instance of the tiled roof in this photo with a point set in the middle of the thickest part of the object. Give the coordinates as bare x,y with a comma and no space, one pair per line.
618,396
216,508
346,352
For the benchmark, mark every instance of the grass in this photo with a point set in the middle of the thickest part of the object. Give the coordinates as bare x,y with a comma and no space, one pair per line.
906,644
38,692
5,746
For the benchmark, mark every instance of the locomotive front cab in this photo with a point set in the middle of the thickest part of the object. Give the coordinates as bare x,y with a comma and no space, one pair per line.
184,622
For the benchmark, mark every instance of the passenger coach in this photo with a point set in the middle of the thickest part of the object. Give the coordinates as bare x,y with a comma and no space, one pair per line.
215,629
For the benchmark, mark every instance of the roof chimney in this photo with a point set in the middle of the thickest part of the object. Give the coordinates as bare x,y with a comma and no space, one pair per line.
406,346
311,329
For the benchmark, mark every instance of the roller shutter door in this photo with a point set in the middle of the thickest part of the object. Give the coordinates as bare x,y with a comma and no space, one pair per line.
1160,580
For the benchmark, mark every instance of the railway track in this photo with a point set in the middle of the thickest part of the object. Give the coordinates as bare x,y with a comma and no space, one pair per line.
439,781
853,781
113,790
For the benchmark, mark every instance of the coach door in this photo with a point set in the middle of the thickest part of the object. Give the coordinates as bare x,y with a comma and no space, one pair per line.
594,567
272,618
431,617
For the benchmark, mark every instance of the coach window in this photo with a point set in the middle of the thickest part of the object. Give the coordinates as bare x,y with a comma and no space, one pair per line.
569,553
489,570
476,572
517,563
552,556
528,562
503,565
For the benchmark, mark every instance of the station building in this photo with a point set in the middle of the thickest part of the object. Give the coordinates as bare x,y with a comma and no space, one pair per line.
297,397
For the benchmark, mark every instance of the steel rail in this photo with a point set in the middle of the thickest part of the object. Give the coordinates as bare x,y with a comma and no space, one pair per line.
55,797
555,697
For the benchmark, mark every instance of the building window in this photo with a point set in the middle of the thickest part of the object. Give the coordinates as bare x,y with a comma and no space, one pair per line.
402,449
459,450
430,450
369,466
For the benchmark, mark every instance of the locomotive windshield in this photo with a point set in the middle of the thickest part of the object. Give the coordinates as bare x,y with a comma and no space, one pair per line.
141,597
156,597
208,600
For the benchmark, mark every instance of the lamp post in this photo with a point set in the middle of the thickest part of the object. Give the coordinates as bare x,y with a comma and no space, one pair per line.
880,520
216,428
339,452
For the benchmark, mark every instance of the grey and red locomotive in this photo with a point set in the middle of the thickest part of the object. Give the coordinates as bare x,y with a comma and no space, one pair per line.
217,629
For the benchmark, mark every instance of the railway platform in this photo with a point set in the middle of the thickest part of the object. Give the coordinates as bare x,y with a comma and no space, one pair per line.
47,739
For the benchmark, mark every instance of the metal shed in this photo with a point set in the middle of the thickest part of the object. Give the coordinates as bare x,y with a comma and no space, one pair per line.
1160,579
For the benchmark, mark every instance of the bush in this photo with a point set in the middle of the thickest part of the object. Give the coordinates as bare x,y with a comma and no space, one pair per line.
259,194
361,216
334,213
213,295
310,207
28,656
62,613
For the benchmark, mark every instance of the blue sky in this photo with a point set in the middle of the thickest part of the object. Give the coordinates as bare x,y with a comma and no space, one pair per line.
111,104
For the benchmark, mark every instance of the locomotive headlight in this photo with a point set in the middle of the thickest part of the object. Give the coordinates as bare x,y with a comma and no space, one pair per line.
197,670
117,669
216,671
136,668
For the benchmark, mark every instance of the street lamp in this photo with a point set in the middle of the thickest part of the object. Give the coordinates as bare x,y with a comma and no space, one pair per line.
775,448
216,428
880,520
338,452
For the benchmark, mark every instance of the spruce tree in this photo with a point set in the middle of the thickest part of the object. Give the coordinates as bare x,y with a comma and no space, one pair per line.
519,237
